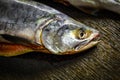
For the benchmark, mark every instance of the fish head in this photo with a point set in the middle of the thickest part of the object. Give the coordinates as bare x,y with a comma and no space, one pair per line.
68,37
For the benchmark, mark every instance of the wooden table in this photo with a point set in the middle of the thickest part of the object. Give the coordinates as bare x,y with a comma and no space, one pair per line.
98,63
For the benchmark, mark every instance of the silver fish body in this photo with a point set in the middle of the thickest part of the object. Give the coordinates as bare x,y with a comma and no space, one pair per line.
31,26
112,5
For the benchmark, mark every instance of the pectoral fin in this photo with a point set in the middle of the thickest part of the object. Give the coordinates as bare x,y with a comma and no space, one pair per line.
7,49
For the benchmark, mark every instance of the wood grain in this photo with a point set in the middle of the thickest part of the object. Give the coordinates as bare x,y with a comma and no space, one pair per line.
99,63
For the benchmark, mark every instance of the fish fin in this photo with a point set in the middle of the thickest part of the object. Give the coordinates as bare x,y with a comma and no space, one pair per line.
40,49
8,50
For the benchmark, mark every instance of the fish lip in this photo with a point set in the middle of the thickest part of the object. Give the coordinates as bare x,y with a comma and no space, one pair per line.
92,42
95,38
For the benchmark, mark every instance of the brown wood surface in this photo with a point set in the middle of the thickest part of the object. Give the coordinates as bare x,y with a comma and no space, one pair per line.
99,63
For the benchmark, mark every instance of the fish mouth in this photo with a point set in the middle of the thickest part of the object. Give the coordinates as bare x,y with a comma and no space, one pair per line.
92,42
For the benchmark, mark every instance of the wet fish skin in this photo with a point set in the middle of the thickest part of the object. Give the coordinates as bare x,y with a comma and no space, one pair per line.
112,5
17,18
31,26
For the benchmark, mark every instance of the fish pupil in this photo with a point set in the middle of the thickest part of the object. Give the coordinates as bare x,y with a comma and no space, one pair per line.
81,34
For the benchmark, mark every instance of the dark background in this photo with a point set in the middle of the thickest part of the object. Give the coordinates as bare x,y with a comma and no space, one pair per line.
99,63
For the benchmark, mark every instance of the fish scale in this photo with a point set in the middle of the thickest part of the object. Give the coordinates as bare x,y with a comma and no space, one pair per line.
15,16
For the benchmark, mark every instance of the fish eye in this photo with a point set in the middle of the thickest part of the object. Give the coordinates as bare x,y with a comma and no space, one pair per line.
84,34
81,34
